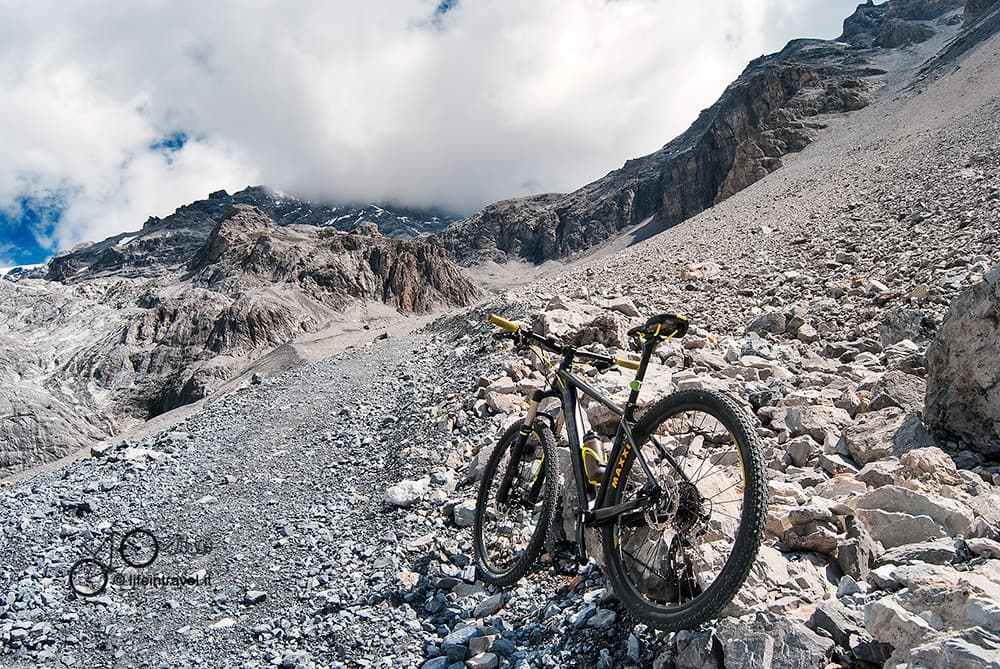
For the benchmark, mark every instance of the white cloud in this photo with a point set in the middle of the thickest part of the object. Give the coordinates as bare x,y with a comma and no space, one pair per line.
358,101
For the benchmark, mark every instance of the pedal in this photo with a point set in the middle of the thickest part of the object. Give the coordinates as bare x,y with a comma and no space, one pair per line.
564,559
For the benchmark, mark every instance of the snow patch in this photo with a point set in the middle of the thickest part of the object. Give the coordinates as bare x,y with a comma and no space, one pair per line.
6,270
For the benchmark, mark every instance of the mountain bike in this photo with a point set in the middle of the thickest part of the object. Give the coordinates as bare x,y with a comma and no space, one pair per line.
679,504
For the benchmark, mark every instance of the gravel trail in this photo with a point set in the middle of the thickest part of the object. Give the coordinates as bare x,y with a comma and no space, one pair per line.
277,489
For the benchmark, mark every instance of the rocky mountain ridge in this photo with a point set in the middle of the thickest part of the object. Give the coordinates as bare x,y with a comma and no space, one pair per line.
895,24
776,107
170,241
129,336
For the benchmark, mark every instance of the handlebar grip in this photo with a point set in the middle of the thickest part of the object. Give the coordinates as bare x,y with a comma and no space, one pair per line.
503,323
628,364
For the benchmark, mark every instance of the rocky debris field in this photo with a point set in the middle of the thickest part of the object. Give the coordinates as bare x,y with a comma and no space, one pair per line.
275,496
321,518
881,537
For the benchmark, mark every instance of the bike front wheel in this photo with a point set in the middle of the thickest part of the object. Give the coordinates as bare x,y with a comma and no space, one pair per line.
516,504
675,561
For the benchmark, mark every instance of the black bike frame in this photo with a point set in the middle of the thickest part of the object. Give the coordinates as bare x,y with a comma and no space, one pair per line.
565,386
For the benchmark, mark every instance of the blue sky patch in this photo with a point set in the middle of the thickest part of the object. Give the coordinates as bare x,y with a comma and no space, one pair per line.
26,229
444,6
170,143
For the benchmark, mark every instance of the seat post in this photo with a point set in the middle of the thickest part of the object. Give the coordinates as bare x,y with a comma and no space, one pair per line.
636,385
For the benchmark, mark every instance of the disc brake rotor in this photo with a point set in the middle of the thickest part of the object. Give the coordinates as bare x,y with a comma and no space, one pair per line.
660,516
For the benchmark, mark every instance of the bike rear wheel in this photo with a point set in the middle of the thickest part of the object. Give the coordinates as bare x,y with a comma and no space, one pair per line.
510,525
677,561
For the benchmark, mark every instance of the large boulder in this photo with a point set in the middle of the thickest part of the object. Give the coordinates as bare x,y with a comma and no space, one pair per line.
766,640
946,614
963,365
896,388
578,324
815,421
949,517
880,434
887,620
966,649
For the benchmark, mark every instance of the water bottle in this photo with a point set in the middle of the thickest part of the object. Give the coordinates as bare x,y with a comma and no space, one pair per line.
594,459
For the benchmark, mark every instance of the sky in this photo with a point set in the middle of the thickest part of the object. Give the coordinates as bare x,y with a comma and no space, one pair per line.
113,111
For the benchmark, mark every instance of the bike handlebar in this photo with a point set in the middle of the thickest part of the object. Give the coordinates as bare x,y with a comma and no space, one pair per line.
503,323
627,364
520,334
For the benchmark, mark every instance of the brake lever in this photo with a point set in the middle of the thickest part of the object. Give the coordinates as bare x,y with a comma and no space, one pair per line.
501,337
602,366
519,340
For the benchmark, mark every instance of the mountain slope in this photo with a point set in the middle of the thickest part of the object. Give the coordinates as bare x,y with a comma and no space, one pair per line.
776,107
142,327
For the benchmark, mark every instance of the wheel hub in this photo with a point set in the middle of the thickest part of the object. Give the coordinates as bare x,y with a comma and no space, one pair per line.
690,508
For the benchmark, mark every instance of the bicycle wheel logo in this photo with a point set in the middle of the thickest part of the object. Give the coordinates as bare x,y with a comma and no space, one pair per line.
88,577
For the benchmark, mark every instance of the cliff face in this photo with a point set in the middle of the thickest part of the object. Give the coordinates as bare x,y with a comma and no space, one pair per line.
771,110
775,107
895,24
246,249
252,286
975,8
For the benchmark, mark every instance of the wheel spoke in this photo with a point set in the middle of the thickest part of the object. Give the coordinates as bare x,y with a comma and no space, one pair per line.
737,483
